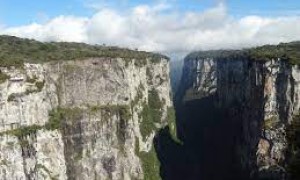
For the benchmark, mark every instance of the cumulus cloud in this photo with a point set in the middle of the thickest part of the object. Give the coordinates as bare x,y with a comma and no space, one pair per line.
161,29
62,28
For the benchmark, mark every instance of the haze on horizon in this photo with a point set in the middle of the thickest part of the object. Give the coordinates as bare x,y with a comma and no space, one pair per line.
166,26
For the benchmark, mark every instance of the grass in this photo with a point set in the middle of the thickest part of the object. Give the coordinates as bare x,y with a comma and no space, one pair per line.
15,51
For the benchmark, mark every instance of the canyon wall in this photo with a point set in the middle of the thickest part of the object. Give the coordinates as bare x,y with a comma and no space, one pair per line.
256,100
93,118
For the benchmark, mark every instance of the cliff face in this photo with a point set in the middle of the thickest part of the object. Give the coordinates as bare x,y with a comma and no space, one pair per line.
93,118
256,101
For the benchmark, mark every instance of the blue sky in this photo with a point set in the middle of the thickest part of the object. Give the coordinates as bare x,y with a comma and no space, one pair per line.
20,12
167,26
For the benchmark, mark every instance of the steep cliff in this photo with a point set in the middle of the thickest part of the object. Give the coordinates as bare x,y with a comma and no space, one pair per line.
74,111
239,106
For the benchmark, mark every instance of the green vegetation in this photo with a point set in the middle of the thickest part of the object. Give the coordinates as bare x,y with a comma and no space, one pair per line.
40,85
155,105
78,156
57,116
271,123
147,125
139,95
10,145
41,166
15,51
149,76
4,162
31,80
286,51
171,118
3,77
123,110
293,138
25,131
150,163
219,54
55,119
12,97
139,63
151,113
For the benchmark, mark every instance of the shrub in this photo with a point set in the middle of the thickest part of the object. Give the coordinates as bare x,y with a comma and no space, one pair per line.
40,85
271,123
286,51
59,115
150,163
55,119
151,113
15,51
171,119
12,97
25,131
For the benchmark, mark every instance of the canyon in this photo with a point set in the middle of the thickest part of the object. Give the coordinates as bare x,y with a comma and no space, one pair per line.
77,111
90,117
236,110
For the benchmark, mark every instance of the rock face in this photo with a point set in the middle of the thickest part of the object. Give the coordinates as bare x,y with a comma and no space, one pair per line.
82,119
258,99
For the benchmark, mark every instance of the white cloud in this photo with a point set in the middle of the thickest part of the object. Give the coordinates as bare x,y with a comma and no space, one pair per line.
159,28
62,28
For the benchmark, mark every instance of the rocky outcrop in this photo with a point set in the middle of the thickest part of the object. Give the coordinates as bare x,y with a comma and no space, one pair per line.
258,100
92,118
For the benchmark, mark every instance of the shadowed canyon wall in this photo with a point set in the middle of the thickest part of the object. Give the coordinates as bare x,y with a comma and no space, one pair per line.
233,114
